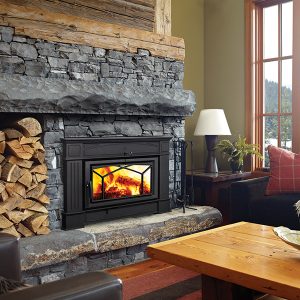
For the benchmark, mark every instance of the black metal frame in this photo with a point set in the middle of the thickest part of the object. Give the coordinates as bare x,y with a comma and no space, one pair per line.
78,153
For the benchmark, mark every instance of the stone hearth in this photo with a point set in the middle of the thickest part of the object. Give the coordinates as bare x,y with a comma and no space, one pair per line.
105,245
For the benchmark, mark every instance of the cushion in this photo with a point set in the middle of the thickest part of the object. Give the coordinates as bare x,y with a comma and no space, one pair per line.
284,171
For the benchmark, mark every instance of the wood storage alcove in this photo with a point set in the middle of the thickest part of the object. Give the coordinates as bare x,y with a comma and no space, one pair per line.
23,173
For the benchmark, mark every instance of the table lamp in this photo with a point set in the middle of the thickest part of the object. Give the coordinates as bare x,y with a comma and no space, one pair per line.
211,123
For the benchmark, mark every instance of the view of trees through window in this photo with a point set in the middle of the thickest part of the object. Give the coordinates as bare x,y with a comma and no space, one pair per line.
276,102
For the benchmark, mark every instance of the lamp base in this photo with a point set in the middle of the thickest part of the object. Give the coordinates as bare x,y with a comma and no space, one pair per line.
211,162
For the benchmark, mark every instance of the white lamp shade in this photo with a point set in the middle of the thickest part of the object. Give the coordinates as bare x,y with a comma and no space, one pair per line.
212,122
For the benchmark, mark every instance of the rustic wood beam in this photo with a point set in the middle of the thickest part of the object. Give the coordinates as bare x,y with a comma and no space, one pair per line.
133,13
51,26
163,17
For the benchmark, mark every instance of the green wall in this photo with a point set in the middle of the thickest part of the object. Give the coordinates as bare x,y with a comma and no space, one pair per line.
215,62
188,23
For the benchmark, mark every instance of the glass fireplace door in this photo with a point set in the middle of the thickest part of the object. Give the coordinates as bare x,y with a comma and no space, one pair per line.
121,181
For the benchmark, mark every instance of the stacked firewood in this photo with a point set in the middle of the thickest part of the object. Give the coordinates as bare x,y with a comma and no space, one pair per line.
23,173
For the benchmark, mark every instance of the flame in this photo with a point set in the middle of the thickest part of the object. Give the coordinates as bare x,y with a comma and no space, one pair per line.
120,182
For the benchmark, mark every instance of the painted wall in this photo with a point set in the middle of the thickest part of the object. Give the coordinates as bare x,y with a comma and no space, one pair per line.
188,22
224,69
215,62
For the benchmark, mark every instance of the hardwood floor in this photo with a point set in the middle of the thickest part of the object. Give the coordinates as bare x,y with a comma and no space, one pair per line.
136,269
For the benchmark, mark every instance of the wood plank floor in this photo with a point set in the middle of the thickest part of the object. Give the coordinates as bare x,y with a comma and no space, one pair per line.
136,269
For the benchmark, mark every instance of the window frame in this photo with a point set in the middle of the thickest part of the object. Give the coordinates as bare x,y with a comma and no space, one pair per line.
254,73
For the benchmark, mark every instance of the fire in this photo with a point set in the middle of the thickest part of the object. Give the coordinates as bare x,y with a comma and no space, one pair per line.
119,181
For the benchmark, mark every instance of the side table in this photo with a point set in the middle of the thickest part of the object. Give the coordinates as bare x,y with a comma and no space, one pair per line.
212,189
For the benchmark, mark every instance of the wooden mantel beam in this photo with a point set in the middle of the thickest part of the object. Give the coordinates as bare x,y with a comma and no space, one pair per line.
51,26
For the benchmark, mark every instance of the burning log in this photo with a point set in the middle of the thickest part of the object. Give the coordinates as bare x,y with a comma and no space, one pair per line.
23,172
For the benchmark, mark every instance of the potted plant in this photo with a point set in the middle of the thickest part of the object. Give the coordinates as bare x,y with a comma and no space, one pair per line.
237,151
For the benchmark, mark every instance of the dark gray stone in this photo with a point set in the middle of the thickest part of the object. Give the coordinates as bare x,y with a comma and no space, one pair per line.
54,177
47,49
115,62
58,63
115,54
84,76
99,52
76,131
6,33
99,128
143,52
78,57
67,48
34,68
11,65
53,137
85,49
128,128
104,69
57,75
57,96
5,48
19,39
24,50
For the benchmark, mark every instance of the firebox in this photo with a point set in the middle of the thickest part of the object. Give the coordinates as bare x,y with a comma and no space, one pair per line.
109,178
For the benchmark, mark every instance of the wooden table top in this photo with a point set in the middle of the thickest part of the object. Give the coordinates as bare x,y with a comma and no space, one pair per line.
246,254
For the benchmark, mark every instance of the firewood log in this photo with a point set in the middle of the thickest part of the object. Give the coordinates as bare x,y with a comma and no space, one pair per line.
39,156
44,199
5,223
21,151
2,157
12,133
43,230
4,195
38,207
2,136
24,163
25,203
29,140
12,230
35,221
37,191
26,178
16,216
24,230
10,204
38,146
15,189
2,147
11,172
30,127
40,177
27,213
2,186
46,222
41,169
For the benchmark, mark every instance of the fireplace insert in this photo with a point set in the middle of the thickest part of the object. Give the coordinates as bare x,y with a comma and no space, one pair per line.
109,178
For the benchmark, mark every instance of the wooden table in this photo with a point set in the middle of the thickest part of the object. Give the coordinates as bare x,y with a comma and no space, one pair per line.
234,259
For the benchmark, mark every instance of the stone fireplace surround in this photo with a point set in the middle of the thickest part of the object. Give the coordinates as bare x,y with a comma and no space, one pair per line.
81,91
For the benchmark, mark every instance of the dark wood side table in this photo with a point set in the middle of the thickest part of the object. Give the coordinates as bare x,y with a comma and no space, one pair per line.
212,189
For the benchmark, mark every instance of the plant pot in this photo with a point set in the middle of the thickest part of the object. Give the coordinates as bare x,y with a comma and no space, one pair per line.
235,166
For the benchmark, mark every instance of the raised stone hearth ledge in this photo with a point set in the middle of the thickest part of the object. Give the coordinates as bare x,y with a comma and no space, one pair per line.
61,246
24,94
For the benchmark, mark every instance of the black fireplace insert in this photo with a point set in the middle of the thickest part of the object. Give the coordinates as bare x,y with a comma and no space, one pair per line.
109,178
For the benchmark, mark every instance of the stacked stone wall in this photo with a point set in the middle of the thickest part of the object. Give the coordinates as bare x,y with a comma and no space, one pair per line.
38,58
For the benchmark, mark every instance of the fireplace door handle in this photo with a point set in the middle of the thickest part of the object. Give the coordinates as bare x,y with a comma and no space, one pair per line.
89,189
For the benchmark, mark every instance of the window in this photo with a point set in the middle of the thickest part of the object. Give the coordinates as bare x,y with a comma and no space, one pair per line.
272,98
